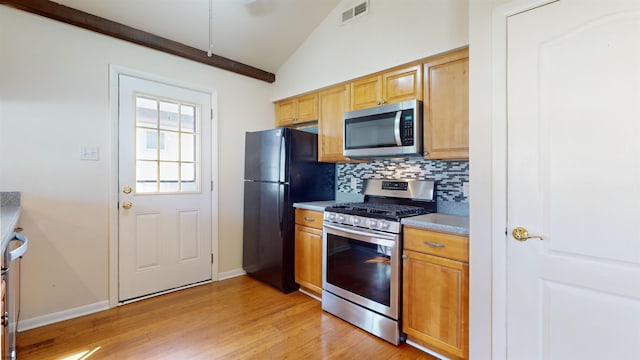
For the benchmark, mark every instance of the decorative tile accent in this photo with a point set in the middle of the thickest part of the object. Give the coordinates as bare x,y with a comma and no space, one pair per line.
449,175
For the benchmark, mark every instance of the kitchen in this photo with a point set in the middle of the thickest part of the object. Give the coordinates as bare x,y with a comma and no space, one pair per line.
70,218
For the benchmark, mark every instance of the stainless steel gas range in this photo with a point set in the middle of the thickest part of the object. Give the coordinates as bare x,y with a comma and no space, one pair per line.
361,250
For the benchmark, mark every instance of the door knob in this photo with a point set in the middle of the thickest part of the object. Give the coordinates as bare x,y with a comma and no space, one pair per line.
126,189
127,205
521,234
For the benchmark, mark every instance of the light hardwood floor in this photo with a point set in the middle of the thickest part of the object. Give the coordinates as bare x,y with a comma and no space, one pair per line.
239,318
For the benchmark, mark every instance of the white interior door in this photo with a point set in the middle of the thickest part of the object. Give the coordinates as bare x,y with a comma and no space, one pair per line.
573,98
165,187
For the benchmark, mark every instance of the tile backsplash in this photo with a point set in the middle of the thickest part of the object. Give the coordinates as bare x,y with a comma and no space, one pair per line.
449,175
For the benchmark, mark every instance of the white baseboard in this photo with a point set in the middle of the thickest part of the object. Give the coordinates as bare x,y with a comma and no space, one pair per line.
231,274
43,320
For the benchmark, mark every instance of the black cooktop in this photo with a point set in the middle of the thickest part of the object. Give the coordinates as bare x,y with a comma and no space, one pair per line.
381,210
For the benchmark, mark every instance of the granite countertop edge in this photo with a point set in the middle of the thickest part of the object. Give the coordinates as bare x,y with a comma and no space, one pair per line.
9,216
455,224
314,205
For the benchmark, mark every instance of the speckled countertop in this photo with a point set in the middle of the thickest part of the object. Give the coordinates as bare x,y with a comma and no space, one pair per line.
441,222
9,215
314,205
456,224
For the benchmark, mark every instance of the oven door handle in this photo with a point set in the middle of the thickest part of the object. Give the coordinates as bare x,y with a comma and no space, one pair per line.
16,253
350,230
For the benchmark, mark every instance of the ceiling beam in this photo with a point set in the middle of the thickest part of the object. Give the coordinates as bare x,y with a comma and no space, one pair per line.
91,22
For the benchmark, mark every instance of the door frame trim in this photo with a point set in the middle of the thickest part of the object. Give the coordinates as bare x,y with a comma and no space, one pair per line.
114,72
499,170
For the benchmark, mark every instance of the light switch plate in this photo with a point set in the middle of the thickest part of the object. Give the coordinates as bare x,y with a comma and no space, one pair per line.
90,153
354,183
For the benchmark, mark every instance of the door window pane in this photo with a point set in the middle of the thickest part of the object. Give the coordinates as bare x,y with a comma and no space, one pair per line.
146,176
169,116
167,146
188,118
146,112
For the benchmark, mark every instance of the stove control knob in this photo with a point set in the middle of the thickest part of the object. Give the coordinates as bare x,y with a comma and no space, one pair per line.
341,218
373,223
356,220
332,216
384,225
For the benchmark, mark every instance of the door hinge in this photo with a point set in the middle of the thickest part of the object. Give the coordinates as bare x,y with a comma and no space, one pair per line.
211,114
211,185
211,258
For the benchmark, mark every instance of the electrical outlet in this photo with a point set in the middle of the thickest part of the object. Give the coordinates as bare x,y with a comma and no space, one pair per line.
354,183
465,188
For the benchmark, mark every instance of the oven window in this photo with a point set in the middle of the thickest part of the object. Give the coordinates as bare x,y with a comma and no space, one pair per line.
360,267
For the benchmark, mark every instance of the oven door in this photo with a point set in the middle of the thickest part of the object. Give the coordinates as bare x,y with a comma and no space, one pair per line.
362,266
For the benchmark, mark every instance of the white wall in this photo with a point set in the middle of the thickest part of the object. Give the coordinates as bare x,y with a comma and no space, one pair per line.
481,180
393,33
54,98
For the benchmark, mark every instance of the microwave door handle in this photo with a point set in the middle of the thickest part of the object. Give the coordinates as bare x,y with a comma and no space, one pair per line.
397,128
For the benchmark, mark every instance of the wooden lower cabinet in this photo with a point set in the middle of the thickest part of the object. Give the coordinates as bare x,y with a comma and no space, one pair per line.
435,294
308,250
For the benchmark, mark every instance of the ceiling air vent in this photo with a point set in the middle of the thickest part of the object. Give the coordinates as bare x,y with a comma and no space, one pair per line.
360,9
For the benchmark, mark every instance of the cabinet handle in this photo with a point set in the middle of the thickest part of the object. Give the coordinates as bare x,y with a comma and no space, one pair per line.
433,244
404,257
383,101
309,219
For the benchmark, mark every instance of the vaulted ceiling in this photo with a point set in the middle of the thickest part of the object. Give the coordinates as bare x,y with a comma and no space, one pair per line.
250,37
260,33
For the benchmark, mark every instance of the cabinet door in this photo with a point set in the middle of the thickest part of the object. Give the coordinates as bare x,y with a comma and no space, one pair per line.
366,92
436,303
333,102
307,108
286,111
402,84
308,258
297,110
446,106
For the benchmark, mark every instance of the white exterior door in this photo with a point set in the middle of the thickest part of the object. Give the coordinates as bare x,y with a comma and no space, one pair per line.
573,95
164,187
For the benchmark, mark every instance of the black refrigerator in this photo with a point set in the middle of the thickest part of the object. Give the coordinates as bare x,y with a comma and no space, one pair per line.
281,167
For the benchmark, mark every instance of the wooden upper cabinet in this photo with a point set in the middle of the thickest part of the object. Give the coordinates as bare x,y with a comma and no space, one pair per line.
297,110
332,103
392,86
446,106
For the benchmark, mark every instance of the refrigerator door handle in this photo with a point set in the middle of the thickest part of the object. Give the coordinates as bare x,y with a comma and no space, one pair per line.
280,208
283,157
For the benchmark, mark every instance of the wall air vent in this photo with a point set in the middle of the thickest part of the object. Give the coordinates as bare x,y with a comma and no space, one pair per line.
361,9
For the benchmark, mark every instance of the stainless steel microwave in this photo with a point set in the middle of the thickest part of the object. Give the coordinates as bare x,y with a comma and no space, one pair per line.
393,130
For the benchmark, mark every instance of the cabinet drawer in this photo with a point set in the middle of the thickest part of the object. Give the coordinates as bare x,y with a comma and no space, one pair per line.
309,218
446,245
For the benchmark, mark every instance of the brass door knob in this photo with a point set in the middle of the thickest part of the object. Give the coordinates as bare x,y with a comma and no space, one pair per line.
127,205
126,189
521,234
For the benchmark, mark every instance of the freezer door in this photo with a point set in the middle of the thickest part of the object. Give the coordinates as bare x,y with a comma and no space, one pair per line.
263,237
265,153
